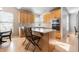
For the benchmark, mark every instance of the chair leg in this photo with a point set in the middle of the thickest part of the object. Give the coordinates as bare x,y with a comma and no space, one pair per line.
1,41
24,42
34,48
38,41
27,46
38,46
10,38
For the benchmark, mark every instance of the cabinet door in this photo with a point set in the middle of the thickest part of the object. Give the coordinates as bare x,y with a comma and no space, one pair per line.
26,17
30,18
57,13
23,17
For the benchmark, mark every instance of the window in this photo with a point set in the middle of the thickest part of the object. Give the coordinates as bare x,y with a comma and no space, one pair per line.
38,20
6,21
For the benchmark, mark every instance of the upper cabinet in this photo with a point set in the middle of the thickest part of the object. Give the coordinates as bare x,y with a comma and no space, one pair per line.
26,17
52,15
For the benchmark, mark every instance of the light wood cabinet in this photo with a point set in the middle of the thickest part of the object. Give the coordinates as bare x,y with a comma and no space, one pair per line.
25,17
52,15
57,35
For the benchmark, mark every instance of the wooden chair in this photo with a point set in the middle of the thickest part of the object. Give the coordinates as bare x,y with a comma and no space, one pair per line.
5,34
33,39
75,30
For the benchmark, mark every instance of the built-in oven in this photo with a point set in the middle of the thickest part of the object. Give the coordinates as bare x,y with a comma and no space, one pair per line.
56,24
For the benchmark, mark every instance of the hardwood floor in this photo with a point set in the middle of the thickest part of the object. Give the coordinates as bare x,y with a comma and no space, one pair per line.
13,46
52,45
16,45
70,45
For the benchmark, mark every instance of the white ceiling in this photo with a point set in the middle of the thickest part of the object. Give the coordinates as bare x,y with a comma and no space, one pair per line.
72,9
38,10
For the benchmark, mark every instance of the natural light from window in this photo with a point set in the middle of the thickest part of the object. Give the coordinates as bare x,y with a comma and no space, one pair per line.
6,21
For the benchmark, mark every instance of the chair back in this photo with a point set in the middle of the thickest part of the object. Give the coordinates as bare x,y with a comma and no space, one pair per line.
75,29
28,34
28,31
6,32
